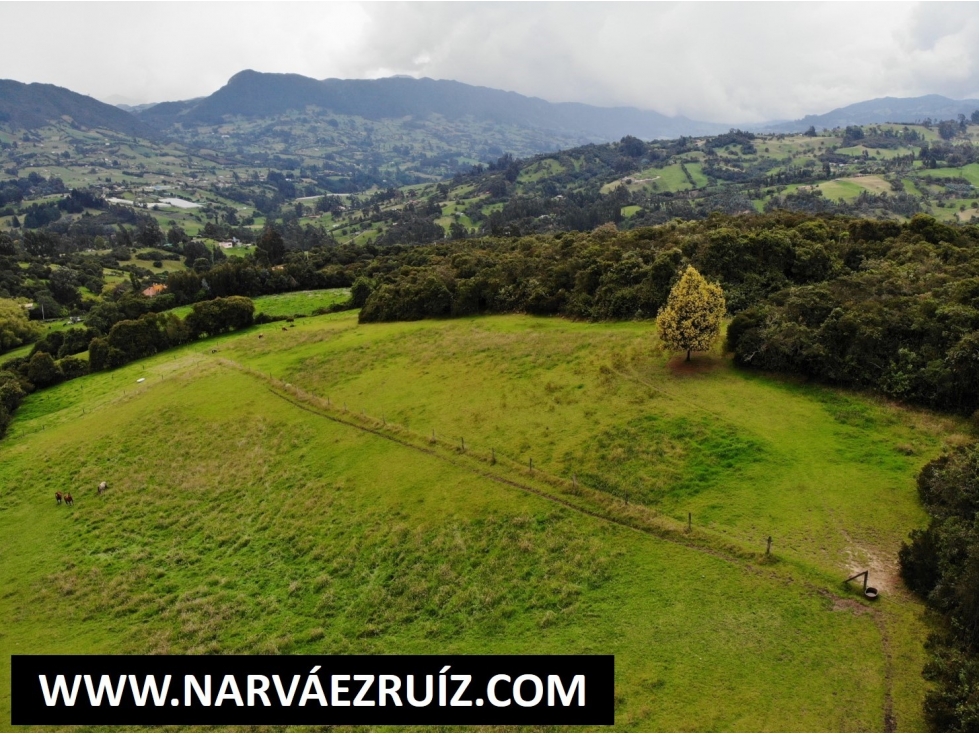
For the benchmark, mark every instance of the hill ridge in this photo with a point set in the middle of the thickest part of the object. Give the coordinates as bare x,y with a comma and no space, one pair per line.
35,105
251,93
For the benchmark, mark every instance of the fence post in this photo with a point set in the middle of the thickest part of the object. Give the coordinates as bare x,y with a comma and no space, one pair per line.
768,550
689,521
493,456
463,442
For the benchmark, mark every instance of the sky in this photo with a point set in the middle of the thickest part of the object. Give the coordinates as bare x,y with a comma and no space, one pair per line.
724,62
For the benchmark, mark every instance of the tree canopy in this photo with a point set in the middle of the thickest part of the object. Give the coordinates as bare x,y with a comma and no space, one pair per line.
15,327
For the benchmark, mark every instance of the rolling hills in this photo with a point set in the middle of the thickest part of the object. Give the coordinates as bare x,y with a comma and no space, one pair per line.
338,487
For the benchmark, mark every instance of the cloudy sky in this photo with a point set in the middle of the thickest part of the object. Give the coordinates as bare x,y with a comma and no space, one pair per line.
723,62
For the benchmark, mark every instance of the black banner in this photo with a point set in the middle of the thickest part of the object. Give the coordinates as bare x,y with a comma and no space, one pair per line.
405,690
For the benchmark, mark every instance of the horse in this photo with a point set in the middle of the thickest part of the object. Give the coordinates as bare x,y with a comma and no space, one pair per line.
57,497
69,500
102,487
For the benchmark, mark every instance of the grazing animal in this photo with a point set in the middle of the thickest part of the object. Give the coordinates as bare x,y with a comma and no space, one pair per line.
102,487
284,329
69,500
57,497
261,336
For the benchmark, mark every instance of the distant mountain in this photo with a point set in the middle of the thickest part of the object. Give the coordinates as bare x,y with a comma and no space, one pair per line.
255,94
31,106
883,109
134,108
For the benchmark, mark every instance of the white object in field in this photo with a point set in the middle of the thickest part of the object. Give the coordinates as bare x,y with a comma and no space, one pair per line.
141,379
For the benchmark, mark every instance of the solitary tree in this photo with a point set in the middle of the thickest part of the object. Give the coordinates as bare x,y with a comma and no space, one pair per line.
691,318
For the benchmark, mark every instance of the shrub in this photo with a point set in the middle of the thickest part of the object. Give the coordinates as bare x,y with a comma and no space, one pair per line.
98,354
43,371
72,367
220,315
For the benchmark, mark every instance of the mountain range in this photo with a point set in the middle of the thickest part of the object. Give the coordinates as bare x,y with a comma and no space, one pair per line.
255,94
882,109
251,94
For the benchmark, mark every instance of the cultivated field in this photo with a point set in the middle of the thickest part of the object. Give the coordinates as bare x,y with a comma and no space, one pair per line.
337,487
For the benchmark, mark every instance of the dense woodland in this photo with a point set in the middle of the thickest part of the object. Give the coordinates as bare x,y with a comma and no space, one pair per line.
941,564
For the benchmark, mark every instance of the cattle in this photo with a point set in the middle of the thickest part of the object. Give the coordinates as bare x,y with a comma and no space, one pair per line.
102,487
261,336
57,497
69,500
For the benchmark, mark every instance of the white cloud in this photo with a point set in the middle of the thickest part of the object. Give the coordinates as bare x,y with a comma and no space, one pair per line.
731,62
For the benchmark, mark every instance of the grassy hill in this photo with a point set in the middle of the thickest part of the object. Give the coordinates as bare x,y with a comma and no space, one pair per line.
309,491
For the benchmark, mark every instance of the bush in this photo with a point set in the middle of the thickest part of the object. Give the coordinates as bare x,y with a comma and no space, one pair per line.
43,371
72,367
98,354
220,315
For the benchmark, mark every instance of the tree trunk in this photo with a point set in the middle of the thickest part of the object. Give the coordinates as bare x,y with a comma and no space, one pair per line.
688,355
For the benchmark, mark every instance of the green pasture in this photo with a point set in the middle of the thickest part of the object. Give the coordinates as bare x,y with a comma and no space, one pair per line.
851,188
880,153
544,169
697,174
297,303
970,173
669,178
250,510
167,266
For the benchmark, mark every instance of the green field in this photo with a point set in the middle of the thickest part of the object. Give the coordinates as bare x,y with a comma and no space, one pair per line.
970,173
309,492
851,188
296,303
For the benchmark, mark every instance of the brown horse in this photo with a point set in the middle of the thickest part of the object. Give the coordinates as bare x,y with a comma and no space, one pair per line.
57,497
69,500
